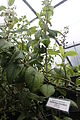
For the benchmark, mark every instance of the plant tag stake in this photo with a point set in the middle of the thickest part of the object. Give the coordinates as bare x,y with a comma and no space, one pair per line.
59,104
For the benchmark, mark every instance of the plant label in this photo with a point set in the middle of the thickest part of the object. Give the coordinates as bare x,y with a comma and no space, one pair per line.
58,104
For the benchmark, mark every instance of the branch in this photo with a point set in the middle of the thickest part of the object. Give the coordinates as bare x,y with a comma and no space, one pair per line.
65,88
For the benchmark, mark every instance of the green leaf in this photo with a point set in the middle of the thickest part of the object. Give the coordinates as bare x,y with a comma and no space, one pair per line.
5,44
38,81
35,97
34,79
73,104
11,2
38,34
54,33
46,42
61,49
21,77
31,30
24,99
59,71
13,71
36,48
17,55
21,117
78,82
52,52
2,43
30,43
71,53
30,76
67,118
32,61
63,92
2,8
47,90
42,24
56,118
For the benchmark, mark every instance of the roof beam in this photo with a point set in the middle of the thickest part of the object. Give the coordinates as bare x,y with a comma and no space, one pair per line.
30,7
58,4
35,11
72,46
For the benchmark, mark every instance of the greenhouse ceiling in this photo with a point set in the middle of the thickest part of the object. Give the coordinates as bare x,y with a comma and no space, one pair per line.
66,14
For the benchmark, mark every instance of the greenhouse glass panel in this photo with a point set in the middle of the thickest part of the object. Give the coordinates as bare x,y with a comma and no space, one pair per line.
67,14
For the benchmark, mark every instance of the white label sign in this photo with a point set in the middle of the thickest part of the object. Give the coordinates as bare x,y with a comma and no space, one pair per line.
59,104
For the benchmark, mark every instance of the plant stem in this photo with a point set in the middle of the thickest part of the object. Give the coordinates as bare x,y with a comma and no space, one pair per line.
64,79
64,68
46,17
65,88
46,63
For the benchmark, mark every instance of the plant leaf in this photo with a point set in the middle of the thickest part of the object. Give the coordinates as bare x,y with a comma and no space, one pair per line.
5,44
47,90
67,118
78,82
73,104
17,55
46,42
2,8
71,53
52,33
56,118
13,71
61,49
38,81
34,79
21,117
30,76
31,30
59,71
35,97
50,51
38,34
11,2
63,92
